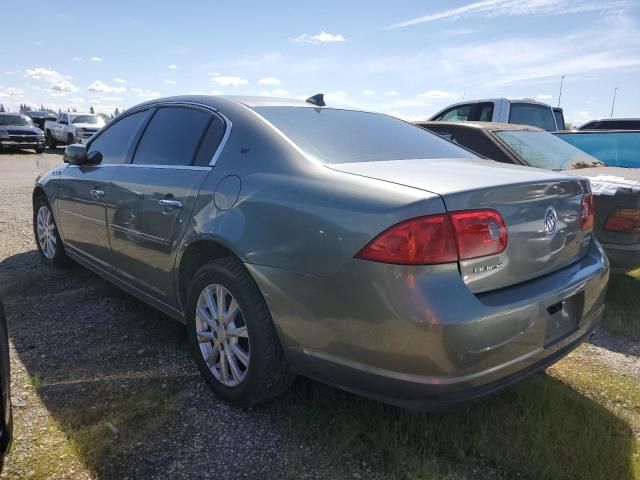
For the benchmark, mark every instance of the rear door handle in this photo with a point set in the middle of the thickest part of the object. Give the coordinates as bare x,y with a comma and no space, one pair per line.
96,194
170,204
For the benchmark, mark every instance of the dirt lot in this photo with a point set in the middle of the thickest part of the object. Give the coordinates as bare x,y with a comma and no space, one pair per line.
103,387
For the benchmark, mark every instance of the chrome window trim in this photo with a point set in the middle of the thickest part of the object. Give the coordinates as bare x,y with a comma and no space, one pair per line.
139,165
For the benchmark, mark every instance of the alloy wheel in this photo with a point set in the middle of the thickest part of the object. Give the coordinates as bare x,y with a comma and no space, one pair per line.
46,230
222,335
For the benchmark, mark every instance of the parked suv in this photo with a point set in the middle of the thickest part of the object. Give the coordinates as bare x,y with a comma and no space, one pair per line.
346,246
18,131
523,112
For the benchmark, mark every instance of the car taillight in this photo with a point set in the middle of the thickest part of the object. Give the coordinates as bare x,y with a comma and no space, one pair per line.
441,238
624,220
479,233
586,212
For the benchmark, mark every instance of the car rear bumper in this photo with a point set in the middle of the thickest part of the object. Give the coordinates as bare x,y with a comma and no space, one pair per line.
418,337
623,258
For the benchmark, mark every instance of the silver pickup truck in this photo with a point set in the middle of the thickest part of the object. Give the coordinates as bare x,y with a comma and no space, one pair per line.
504,110
71,128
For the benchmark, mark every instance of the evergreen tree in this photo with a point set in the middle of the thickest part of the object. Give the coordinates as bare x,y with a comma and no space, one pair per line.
1,107
92,111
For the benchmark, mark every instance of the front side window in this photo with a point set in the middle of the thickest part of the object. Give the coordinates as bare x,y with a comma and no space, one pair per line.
344,136
456,114
114,143
535,115
543,150
172,137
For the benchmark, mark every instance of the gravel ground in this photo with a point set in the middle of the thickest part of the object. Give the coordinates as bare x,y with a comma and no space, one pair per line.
90,347
83,352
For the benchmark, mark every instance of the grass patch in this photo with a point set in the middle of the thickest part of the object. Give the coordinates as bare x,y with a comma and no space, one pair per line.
541,429
623,302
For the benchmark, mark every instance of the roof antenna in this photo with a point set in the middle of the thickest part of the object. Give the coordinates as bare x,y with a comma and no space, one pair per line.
317,99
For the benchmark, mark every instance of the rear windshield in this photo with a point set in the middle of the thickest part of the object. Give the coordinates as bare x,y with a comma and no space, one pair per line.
532,114
543,150
345,136
616,149
20,120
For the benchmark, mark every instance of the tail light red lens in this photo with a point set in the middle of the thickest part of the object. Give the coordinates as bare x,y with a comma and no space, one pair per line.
479,233
420,241
441,238
623,220
586,212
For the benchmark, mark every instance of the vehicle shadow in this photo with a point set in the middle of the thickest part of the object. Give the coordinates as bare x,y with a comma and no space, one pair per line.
100,359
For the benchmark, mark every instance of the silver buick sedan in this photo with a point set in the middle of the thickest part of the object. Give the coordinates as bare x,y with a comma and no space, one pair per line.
349,247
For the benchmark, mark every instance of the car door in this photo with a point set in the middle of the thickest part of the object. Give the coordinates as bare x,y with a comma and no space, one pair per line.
84,191
154,195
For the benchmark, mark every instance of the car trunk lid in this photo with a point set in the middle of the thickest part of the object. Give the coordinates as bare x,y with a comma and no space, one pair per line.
523,197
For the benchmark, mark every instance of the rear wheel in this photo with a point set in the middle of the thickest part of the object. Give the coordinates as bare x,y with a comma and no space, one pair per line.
232,335
69,138
40,150
47,237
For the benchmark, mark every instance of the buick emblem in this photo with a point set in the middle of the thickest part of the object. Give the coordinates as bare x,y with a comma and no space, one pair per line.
550,221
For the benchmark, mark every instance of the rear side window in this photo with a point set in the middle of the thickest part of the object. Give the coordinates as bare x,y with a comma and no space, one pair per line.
535,115
115,141
210,142
559,118
172,137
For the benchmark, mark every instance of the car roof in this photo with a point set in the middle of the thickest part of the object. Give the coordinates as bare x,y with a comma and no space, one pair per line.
488,126
222,101
13,114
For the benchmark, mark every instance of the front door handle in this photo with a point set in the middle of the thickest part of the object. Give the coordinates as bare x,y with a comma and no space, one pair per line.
96,194
170,204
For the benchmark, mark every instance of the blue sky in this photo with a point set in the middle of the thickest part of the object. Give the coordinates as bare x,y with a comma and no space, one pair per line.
407,58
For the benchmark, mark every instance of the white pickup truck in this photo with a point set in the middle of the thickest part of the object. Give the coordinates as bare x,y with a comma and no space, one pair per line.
504,110
71,128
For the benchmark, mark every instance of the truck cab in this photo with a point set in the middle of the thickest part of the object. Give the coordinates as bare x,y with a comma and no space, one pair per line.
503,110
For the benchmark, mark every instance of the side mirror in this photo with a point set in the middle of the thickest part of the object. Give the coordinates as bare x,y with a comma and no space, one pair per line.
64,122
75,154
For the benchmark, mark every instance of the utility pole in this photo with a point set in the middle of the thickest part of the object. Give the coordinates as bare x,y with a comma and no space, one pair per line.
560,94
613,102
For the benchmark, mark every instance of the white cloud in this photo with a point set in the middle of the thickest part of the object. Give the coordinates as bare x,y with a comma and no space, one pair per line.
173,66
368,92
102,87
56,81
170,82
543,97
270,81
392,93
11,91
145,93
498,8
77,59
278,92
436,94
119,80
96,59
229,81
322,37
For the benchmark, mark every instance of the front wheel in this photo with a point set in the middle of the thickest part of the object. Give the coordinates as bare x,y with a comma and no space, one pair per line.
232,335
50,141
47,237
39,150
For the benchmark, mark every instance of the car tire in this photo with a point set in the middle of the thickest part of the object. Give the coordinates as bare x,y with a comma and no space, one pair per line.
69,138
50,141
48,242
39,150
266,373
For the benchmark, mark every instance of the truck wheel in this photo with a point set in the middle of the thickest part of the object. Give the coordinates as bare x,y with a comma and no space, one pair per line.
50,141
69,138
40,150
